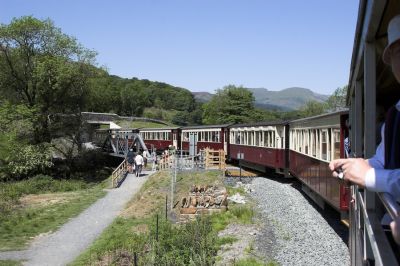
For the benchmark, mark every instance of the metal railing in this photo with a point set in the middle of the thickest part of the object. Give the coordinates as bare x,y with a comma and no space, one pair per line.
369,243
119,174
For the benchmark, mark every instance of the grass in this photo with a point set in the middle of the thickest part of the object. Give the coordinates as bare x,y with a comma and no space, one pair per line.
27,212
226,240
10,263
133,230
242,214
234,190
253,262
160,114
121,234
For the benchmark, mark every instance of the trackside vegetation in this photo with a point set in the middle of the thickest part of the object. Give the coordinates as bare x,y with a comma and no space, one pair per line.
135,233
40,205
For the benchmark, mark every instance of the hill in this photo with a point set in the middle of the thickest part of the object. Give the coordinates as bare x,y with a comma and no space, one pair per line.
287,99
202,97
284,100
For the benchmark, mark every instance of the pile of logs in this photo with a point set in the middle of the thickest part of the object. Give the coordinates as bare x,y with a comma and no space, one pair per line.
203,200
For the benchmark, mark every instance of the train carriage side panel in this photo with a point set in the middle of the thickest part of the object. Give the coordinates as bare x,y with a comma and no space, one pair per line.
262,145
210,136
314,142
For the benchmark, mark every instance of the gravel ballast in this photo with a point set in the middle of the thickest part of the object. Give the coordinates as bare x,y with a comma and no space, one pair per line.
294,232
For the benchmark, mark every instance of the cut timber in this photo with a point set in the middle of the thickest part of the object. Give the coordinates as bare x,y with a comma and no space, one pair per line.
236,172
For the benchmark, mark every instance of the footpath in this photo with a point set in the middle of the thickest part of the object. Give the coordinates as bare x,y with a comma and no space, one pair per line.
64,245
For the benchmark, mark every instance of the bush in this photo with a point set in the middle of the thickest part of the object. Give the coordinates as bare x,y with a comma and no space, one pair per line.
27,161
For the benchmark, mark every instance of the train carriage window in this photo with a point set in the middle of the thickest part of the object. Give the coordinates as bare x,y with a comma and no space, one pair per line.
273,139
312,142
324,145
294,140
317,144
256,138
305,141
328,145
266,139
185,136
336,144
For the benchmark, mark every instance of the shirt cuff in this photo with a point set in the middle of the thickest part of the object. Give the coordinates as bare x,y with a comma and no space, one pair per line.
381,180
370,179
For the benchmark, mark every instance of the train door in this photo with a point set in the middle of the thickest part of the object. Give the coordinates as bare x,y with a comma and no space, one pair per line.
192,144
224,133
174,138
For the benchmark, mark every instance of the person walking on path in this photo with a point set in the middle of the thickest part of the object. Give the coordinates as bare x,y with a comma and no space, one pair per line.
130,158
139,161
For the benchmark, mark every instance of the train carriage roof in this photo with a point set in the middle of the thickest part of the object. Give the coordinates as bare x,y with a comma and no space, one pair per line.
206,126
264,123
323,117
158,128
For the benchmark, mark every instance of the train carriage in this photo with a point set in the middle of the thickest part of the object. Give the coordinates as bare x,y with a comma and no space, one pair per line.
160,138
372,90
314,142
260,146
211,136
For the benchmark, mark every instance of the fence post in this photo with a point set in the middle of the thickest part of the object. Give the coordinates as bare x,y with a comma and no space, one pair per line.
157,228
166,207
135,258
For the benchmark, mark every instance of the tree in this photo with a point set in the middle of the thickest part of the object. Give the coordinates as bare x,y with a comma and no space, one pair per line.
337,101
313,108
133,100
44,69
230,105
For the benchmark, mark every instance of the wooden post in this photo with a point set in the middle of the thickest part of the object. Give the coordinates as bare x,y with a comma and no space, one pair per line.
157,228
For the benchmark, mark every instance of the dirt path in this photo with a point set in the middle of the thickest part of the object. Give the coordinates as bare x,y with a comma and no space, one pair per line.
63,246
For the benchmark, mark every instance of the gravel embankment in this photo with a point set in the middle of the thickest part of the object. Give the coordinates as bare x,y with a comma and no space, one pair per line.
294,233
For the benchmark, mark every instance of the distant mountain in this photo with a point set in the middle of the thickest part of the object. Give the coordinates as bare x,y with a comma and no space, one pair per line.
202,97
284,100
287,99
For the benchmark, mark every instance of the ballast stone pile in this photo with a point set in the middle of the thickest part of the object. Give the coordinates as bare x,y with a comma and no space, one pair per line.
301,235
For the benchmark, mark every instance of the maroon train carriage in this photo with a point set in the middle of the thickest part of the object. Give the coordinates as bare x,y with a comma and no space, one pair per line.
160,138
260,146
211,136
314,142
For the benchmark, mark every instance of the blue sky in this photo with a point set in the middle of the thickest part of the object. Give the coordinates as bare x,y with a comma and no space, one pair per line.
203,45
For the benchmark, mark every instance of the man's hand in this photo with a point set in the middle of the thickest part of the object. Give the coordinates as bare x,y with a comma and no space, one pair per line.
354,170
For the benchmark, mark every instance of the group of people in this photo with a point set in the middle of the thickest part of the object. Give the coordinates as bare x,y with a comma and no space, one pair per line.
381,173
136,162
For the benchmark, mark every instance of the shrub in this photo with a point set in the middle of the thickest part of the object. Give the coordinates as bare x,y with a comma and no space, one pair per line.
28,160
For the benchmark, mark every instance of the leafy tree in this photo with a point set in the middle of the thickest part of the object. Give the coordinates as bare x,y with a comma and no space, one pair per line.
230,105
28,160
44,69
313,108
133,100
337,101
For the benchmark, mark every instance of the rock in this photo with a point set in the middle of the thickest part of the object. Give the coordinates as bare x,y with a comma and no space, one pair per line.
237,198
